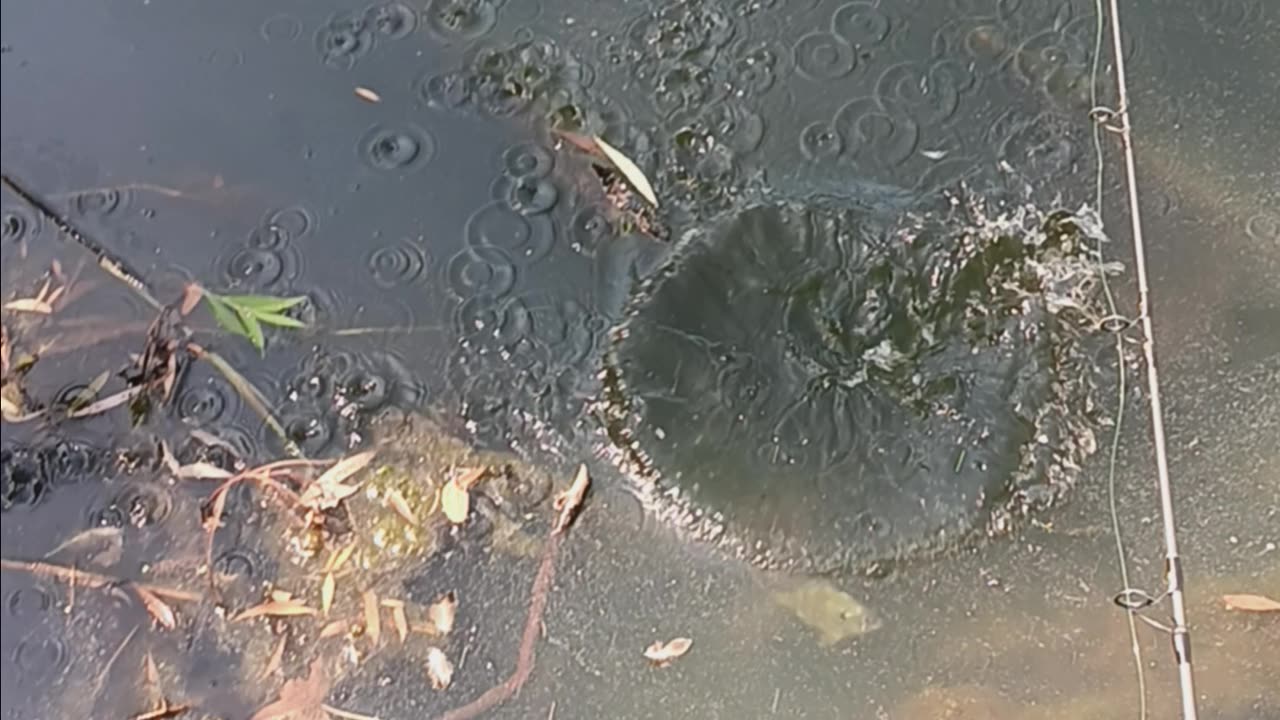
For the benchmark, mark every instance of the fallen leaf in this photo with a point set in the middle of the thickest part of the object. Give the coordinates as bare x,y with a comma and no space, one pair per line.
455,501
662,654
326,593
401,506
439,669
300,699
1251,603
201,471
90,391
401,622
368,95
31,305
328,490
441,614
275,608
191,295
108,403
333,627
274,662
568,502
372,620
157,608
163,711
339,557
629,170
150,673
280,595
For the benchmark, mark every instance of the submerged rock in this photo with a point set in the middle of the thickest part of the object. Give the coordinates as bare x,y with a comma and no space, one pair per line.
818,387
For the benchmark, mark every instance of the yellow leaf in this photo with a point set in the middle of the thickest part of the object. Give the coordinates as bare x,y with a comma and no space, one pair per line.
662,654
629,170
456,502
326,593
275,608
372,621
1251,603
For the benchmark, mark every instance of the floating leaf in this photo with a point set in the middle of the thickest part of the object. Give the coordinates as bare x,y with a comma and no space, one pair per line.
222,314
252,329
629,170
1251,603
663,654
31,305
439,669
456,502
263,303
275,608
279,320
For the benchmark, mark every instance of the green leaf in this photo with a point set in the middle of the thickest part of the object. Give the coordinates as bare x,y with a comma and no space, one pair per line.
252,329
279,320
218,308
263,303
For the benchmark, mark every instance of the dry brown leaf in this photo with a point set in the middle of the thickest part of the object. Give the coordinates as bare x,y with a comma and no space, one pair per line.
339,557
191,295
275,608
108,403
583,142
300,699
401,622
439,669
441,614
568,502
662,654
372,619
397,502
326,593
150,673
328,490
333,628
31,305
277,658
368,95
157,608
629,170
201,471
455,502
1251,603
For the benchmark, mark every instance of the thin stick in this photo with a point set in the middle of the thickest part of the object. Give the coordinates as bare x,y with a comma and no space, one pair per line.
505,690
117,269
91,579
1173,562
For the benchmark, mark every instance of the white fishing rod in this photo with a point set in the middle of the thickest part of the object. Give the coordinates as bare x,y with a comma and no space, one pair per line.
1129,598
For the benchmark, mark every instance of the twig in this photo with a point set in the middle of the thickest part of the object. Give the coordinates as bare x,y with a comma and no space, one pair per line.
91,579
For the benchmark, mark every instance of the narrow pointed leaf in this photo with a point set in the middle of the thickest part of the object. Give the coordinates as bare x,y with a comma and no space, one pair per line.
629,170
252,329
278,320
264,303
222,314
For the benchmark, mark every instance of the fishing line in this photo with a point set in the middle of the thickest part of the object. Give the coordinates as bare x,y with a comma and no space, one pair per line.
1129,598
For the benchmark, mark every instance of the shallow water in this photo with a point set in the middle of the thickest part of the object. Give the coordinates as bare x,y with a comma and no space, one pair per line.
458,267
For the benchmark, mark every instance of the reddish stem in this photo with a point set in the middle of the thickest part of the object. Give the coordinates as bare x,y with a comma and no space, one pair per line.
505,690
